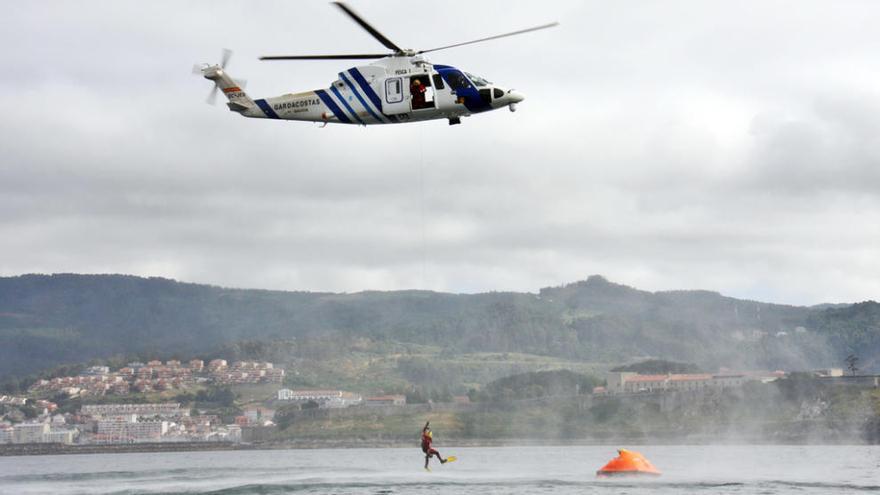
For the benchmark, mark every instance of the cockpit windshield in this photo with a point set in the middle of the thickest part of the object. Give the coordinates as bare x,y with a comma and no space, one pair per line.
478,81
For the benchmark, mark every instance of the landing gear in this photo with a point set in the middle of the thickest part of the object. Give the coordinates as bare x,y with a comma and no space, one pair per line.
454,121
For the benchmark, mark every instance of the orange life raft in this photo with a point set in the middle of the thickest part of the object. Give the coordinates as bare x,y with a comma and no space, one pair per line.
628,463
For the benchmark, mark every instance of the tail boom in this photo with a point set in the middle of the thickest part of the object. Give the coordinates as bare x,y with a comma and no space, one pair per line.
239,101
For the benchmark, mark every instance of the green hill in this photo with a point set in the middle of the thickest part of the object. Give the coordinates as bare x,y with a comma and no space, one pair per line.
47,320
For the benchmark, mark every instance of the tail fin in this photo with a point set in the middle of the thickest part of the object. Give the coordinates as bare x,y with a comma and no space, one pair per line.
238,99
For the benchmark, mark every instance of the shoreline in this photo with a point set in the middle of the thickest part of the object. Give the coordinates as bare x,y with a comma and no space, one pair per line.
35,449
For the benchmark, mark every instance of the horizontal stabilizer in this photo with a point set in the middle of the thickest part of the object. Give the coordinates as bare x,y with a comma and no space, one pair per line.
236,106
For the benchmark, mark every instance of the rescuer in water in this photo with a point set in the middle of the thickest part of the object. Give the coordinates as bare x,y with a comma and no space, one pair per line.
427,438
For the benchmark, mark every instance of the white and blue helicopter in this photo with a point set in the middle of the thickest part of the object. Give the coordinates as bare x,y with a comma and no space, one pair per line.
400,87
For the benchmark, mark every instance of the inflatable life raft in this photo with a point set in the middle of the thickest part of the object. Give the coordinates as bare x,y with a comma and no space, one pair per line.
628,463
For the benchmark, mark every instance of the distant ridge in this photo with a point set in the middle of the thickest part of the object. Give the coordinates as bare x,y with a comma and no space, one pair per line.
47,320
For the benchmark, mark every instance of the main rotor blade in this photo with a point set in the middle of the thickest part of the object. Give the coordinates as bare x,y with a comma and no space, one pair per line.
370,29
522,31
327,57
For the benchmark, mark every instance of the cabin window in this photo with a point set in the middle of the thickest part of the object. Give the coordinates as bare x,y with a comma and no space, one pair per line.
438,82
497,93
486,95
393,90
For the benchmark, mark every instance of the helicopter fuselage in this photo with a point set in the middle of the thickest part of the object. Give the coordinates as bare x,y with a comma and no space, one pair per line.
392,90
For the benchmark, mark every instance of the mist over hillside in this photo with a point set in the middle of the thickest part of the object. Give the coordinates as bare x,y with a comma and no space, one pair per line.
47,320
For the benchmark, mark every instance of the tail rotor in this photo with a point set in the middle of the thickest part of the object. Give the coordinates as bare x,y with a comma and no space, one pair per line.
210,71
224,59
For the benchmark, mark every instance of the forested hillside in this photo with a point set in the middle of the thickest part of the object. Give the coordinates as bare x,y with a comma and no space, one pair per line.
46,320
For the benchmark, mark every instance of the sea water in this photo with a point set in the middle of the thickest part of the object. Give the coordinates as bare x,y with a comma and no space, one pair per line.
501,470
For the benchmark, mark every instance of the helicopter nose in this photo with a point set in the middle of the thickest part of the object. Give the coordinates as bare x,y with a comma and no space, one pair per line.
515,96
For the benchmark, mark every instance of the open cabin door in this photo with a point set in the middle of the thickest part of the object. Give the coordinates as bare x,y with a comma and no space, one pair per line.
422,96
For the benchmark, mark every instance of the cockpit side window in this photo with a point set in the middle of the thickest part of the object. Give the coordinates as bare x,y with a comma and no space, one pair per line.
478,81
457,80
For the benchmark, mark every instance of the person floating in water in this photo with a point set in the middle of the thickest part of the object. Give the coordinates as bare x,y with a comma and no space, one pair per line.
427,438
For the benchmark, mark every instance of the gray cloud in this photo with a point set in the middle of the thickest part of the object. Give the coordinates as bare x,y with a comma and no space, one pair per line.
674,145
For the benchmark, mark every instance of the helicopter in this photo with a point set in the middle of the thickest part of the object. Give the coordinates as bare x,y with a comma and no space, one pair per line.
399,87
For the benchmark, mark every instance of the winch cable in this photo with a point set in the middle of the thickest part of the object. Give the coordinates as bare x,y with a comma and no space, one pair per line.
421,138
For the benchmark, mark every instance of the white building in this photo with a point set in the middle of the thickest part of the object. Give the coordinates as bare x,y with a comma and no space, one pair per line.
630,382
6,434
829,372
165,409
330,399
307,395
29,432
128,428
347,399
36,433
96,371
233,433
13,401
60,436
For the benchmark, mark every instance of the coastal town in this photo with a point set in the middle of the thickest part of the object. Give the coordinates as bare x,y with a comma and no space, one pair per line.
126,423
35,418
158,376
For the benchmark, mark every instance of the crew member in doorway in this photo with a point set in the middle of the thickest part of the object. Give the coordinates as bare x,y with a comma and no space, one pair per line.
417,89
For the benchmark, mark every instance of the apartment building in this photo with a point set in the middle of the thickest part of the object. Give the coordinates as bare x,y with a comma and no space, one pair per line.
164,409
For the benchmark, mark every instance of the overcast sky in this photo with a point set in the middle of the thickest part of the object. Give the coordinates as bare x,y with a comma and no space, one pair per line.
729,146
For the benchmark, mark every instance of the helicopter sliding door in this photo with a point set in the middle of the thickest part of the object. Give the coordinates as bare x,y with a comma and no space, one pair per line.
396,100
404,94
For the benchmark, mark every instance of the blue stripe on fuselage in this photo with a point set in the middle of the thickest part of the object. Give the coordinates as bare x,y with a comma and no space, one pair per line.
472,99
332,106
360,98
365,86
267,109
346,105
368,90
